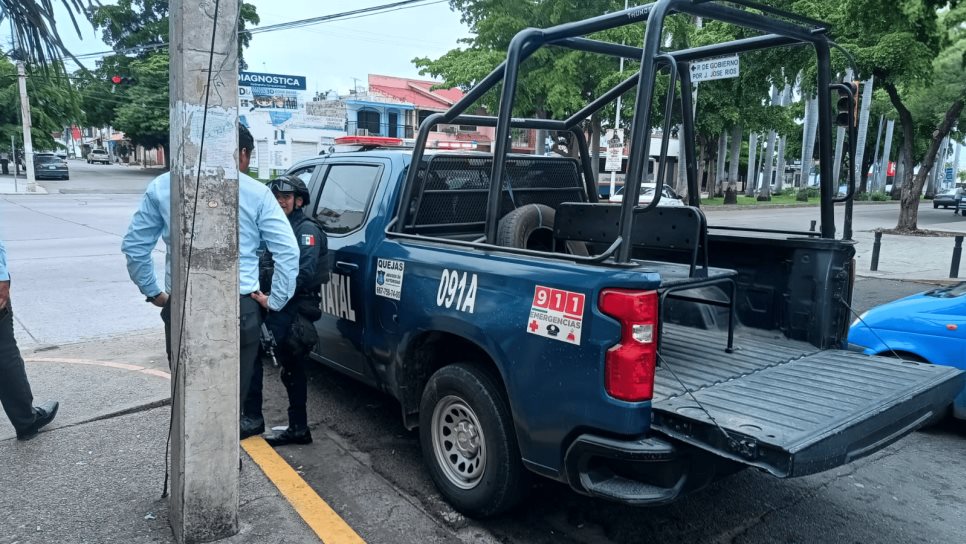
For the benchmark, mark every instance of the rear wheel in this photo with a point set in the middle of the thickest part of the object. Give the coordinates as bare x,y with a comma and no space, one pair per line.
468,441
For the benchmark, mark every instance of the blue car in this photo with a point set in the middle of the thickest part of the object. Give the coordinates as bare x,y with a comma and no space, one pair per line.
928,327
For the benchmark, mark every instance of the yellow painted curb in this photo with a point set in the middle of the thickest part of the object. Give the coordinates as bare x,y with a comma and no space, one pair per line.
320,517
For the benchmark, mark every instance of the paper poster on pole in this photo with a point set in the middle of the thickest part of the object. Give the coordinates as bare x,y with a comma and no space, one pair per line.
615,150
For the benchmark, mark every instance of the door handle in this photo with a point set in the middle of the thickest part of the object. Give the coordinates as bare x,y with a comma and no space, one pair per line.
348,268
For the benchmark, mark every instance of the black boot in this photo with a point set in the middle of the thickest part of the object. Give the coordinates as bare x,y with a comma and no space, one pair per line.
250,426
44,414
291,435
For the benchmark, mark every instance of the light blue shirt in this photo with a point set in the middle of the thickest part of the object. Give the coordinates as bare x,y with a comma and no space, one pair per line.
260,218
4,275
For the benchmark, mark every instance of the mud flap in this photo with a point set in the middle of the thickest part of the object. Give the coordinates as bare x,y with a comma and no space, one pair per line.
810,414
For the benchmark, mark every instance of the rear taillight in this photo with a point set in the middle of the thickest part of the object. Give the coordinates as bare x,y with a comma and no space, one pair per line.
629,365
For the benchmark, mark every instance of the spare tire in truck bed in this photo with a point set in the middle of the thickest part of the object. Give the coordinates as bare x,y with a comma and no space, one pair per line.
531,227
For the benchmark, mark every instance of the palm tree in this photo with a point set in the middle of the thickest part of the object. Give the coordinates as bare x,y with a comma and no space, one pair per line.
33,25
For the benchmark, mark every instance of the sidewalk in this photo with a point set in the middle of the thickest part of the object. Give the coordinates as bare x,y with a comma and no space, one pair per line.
17,186
95,474
911,258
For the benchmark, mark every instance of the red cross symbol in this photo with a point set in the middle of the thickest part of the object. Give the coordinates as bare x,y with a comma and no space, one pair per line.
571,336
534,326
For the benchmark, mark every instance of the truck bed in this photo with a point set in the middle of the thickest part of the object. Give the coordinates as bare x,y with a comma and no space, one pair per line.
698,357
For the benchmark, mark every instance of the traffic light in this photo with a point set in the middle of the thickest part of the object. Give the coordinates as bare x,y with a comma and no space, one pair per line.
123,80
847,104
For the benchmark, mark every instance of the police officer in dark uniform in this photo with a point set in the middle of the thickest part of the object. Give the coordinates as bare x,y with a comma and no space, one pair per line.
293,327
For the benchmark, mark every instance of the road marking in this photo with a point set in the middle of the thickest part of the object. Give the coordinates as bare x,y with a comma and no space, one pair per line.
320,517
108,364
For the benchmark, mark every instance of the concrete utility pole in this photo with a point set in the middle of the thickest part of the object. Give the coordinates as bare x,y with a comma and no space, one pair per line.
204,242
28,145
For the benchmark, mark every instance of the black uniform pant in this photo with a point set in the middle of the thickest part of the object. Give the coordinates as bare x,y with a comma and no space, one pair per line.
15,392
293,373
249,328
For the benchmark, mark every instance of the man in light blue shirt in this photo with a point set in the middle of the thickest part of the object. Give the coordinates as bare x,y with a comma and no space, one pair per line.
259,220
15,394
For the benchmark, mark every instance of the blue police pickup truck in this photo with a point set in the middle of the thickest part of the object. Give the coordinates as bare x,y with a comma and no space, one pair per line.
632,352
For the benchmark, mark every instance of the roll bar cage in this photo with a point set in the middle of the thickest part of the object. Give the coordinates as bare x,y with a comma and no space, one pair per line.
779,28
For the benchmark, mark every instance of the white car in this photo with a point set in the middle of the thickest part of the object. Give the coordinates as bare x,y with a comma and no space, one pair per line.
98,155
668,196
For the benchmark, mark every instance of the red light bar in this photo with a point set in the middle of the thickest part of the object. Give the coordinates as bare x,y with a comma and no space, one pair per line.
369,141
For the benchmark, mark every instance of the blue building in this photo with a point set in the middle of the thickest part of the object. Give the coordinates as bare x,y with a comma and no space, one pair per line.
374,115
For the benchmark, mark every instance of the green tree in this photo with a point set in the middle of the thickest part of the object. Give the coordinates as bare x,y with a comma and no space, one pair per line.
36,31
144,116
137,30
910,47
53,105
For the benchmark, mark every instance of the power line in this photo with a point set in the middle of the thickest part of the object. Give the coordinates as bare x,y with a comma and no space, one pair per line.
299,23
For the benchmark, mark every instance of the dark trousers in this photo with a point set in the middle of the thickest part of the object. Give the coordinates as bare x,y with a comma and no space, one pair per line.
249,328
15,392
293,373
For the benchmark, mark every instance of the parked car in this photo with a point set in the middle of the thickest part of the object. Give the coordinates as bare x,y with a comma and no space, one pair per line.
928,327
668,196
947,198
98,155
50,166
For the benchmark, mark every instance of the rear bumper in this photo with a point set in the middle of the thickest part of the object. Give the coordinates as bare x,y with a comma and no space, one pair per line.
642,472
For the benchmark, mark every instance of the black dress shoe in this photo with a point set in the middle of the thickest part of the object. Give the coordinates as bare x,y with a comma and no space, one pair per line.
44,414
296,435
250,426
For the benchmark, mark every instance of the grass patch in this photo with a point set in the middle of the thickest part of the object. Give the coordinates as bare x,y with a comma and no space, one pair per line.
780,199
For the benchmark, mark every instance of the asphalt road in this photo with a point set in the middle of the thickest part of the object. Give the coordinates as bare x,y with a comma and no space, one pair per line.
101,179
70,285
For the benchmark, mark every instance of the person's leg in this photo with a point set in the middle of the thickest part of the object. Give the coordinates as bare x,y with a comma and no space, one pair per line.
15,394
252,407
250,323
293,377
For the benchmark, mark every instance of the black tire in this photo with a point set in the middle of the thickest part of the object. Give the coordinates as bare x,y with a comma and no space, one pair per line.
527,227
468,398
936,206
531,227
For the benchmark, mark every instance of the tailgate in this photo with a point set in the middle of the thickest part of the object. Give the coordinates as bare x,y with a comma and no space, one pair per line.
808,414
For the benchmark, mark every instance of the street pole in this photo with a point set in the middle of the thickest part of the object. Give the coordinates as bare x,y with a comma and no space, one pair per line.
617,125
28,146
16,167
204,245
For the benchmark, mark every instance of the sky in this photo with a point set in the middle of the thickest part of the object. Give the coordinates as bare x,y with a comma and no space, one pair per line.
330,55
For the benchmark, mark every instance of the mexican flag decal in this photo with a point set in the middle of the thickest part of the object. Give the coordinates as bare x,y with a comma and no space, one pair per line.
308,240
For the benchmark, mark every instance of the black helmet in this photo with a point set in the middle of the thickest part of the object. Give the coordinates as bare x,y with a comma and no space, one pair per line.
290,184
